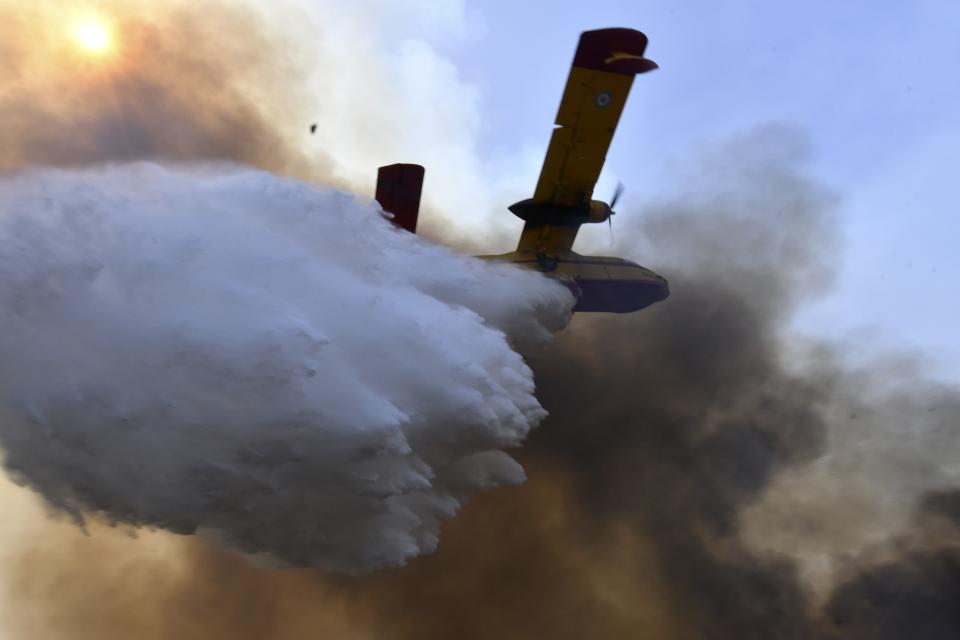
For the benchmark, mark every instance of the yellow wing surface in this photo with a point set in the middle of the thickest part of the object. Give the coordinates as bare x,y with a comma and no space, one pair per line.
603,70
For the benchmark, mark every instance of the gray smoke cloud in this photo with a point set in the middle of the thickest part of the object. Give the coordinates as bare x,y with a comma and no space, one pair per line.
665,425
709,465
256,360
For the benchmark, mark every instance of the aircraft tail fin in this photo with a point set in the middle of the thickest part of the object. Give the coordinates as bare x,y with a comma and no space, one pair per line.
398,191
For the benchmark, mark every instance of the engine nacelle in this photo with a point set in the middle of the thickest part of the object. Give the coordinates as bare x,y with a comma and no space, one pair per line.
545,213
599,211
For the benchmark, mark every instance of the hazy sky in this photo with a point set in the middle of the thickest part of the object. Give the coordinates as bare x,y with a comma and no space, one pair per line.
873,83
470,89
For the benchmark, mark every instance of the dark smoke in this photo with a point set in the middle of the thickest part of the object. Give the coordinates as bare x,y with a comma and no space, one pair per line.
945,503
917,596
665,424
913,589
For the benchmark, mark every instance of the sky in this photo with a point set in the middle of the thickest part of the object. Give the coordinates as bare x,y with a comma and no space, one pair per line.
470,90
867,82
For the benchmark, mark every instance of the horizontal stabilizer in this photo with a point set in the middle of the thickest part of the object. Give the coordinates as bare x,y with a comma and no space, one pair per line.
614,50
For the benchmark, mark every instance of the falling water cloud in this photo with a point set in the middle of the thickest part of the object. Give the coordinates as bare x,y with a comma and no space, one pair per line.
265,363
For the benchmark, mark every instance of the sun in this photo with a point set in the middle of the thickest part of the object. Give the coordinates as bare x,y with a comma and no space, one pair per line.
92,35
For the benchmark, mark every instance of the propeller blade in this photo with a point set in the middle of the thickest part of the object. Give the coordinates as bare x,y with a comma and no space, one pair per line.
616,194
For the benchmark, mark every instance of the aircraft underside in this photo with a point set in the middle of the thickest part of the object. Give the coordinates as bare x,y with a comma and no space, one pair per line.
601,283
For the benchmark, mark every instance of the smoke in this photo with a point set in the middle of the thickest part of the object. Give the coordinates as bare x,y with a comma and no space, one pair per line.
663,426
233,354
914,597
774,482
703,471
244,80
660,499
184,83
907,586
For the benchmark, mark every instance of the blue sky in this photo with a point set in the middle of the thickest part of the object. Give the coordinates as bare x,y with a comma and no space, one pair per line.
874,84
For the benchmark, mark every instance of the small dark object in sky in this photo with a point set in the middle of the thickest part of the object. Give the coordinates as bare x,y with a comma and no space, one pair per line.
313,128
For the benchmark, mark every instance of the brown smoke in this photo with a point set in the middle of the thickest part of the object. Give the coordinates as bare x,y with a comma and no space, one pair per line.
667,426
186,82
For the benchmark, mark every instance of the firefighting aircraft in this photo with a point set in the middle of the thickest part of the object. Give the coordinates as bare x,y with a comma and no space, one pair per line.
603,70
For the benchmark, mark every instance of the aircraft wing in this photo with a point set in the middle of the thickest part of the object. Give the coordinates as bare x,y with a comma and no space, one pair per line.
603,69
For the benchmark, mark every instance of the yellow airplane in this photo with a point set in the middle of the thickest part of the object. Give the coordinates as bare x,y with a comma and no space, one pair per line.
603,70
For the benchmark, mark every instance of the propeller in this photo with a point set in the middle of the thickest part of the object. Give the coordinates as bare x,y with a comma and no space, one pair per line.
616,195
613,202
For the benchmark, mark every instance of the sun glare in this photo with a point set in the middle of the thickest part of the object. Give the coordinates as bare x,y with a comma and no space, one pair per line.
92,36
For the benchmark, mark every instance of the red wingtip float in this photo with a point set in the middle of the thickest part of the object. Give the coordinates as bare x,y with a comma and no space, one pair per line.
600,80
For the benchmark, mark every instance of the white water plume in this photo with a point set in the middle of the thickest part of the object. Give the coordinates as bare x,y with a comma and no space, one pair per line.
224,352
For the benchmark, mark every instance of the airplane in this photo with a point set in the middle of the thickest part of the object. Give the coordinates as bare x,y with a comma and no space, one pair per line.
603,70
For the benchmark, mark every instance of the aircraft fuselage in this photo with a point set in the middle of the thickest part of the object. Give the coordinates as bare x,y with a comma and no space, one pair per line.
601,283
